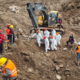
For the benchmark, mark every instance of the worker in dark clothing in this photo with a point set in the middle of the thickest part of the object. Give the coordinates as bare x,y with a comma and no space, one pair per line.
2,38
60,22
71,40
12,33
78,51
1,45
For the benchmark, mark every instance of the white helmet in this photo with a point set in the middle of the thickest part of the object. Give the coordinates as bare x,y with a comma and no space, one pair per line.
78,43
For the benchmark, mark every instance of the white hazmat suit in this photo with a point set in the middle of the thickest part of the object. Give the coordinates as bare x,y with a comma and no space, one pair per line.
46,33
53,32
53,44
46,45
58,38
39,37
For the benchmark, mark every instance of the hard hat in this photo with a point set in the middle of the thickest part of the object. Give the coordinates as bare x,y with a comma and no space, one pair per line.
8,25
57,33
37,31
51,37
45,29
60,15
11,26
78,43
44,37
51,28
0,30
71,33
3,61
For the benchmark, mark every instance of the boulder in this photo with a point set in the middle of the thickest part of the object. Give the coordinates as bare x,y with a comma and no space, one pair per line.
78,18
58,77
30,70
61,65
26,58
57,68
79,24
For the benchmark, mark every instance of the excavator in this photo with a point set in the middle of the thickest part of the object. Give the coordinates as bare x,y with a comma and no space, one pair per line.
45,19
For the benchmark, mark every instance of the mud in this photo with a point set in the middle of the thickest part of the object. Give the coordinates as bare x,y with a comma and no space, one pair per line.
31,61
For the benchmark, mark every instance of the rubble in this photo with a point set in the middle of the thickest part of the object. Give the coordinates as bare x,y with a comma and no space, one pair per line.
14,8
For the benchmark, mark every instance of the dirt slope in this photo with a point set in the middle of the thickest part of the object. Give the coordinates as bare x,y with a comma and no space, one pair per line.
31,62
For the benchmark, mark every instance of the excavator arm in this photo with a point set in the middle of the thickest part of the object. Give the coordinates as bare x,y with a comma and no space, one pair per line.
31,11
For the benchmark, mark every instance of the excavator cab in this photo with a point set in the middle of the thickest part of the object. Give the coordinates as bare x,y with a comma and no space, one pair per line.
53,19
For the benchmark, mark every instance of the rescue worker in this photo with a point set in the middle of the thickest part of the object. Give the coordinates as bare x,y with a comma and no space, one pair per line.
12,33
8,69
1,45
53,32
71,40
53,43
58,38
60,21
78,51
46,44
2,35
39,37
8,31
46,33
2,38
8,27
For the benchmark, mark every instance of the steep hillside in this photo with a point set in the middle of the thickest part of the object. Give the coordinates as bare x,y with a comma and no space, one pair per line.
31,62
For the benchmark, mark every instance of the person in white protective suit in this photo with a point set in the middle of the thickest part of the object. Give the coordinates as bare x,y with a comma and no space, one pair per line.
46,44
39,37
53,43
46,33
53,32
58,38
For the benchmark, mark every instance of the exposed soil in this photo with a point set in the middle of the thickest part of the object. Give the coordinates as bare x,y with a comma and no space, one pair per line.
31,61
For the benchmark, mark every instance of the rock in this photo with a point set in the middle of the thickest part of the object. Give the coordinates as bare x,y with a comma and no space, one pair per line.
24,53
57,68
20,30
18,70
78,18
64,49
26,58
58,77
79,24
24,36
71,21
18,53
61,65
67,69
47,54
30,70
67,72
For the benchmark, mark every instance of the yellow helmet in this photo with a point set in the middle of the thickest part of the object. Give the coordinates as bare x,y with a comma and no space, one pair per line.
59,15
11,26
2,61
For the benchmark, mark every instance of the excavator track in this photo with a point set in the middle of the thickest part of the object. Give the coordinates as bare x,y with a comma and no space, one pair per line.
60,31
